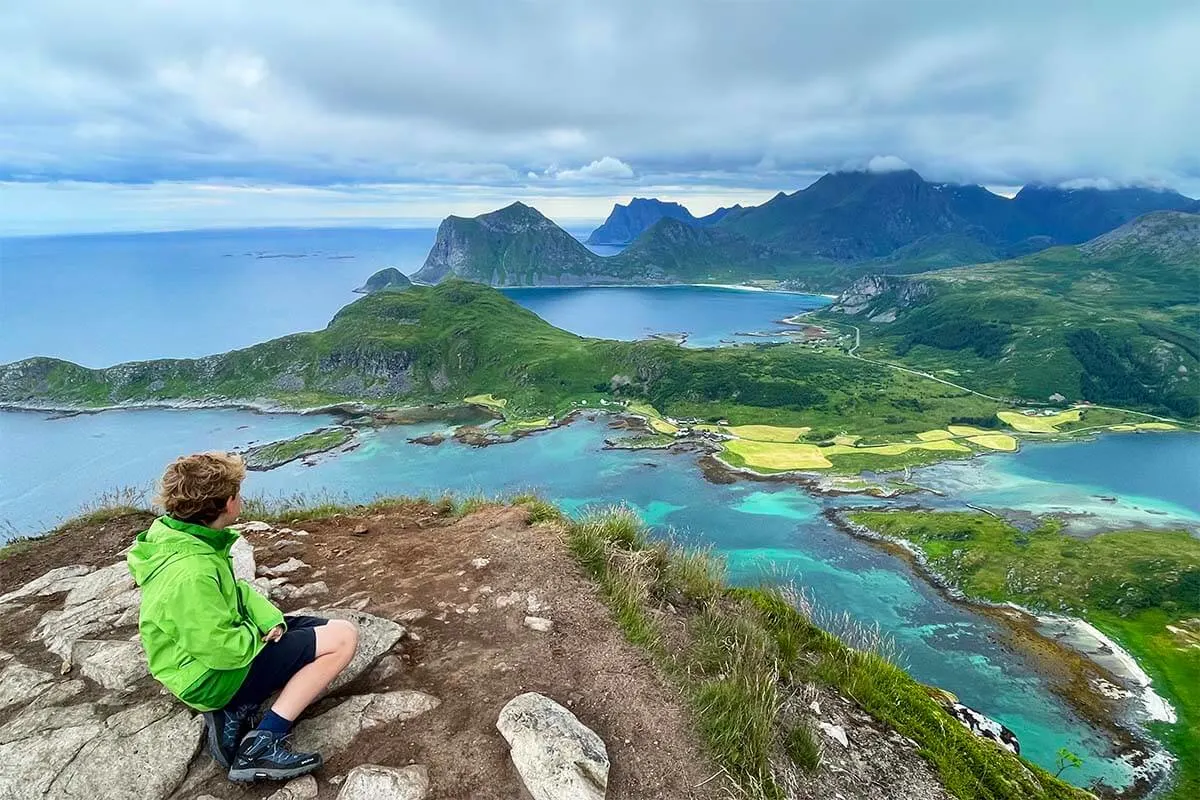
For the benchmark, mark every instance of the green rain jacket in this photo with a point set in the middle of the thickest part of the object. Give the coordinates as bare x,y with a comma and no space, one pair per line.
200,627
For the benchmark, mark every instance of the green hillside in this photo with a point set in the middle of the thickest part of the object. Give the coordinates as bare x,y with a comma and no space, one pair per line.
1114,321
442,343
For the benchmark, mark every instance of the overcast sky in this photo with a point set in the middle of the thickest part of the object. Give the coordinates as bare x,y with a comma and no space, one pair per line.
151,114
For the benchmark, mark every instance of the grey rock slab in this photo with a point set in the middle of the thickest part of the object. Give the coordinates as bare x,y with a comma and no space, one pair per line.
29,765
102,584
112,664
58,694
242,554
142,752
376,636
57,580
253,526
373,782
36,722
556,755
20,684
290,592
304,788
59,630
333,731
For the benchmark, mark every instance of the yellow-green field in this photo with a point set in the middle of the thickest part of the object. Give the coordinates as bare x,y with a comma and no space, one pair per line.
1027,424
995,441
780,456
654,417
486,400
1156,426
767,433
934,436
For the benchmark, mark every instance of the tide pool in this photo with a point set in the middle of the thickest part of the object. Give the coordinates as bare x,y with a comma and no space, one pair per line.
767,531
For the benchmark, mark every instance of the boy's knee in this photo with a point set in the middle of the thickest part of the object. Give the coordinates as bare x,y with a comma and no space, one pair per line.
348,635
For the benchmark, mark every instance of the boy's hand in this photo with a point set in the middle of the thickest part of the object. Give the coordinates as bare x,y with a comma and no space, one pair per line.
274,635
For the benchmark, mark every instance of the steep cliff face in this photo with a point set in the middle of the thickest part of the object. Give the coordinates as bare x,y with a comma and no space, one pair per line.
881,298
515,246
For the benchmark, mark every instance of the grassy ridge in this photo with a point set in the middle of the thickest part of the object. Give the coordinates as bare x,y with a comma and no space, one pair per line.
458,339
747,651
1130,584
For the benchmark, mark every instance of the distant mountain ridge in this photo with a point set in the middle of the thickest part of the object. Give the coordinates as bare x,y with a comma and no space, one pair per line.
844,225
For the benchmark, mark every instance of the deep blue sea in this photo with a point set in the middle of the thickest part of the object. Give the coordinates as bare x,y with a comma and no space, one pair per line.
102,299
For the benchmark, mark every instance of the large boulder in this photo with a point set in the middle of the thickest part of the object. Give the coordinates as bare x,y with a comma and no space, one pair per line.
373,782
556,755
242,554
333,731
376,636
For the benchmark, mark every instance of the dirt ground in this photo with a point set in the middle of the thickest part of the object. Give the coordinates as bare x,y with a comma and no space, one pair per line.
469,647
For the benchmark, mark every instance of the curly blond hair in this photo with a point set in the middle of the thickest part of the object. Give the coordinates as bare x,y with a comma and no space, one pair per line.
196,488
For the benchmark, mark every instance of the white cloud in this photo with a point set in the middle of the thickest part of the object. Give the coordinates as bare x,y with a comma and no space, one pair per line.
604,169
887,164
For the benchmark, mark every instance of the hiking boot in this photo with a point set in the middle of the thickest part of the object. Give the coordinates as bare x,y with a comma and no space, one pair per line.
264,755
226,727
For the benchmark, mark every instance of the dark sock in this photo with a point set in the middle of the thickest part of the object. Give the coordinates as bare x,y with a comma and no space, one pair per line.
275,724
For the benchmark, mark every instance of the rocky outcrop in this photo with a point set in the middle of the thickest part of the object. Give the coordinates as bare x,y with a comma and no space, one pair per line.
556,755
1171,236
333,731
388,279
881,298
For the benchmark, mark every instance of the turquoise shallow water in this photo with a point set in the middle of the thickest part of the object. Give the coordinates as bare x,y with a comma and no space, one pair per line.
771,531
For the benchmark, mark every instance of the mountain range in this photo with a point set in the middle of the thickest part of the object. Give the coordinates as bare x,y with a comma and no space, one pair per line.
844,225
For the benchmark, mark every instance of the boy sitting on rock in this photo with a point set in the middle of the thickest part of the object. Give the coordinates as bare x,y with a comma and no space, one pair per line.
216,643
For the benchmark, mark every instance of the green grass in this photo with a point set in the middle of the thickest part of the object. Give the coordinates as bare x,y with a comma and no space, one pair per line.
473,342
275,454
1130,584
1112,328
748,653
107,506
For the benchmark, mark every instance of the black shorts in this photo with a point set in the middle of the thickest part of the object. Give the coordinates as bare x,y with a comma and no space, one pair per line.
279,661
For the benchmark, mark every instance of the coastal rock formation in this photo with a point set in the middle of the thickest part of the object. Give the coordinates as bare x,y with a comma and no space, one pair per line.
388,279
557,756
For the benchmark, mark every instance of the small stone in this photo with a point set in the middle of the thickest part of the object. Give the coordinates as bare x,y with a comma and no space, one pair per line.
480,563
304,788
253,526
835,732
539,624
286,568
411,615
506,600
373,782
815,707
360,529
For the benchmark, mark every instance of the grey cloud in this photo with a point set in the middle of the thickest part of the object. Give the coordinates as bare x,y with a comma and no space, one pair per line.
721,93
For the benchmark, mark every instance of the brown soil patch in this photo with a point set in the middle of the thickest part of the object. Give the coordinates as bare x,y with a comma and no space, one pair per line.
472,652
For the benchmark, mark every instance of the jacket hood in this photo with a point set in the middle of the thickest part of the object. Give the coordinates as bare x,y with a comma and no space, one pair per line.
167,540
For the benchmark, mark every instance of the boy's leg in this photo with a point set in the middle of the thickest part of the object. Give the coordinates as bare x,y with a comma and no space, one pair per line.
336,644
263,753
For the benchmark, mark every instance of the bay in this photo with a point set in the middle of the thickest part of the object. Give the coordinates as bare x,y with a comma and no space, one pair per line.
767,531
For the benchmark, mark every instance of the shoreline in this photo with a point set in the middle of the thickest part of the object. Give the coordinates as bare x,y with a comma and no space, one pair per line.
1090,686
